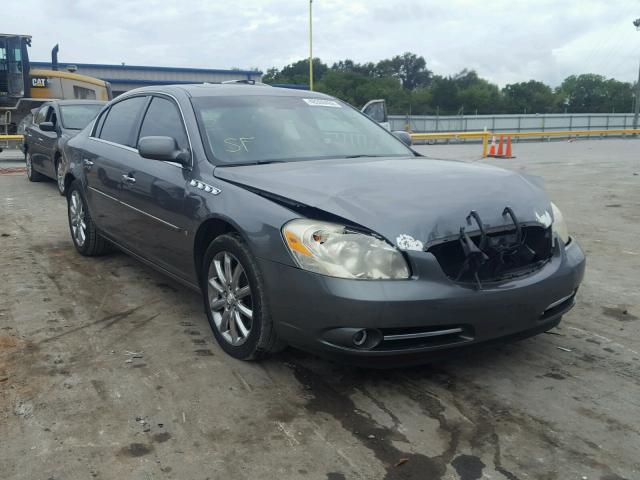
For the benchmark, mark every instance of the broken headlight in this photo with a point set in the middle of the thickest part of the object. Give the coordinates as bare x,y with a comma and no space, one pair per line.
336,251
559,225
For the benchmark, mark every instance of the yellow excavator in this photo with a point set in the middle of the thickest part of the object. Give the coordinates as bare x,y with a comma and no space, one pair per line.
22,89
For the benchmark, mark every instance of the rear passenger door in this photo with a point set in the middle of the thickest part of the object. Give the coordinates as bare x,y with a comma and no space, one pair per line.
113,142
154,193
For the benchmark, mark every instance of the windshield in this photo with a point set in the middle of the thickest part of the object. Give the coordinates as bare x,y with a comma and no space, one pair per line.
250,129
76,117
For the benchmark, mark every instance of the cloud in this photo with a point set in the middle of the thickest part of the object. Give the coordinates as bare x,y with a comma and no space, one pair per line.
504,41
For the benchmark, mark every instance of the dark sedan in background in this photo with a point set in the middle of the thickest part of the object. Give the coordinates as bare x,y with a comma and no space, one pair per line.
45,137
304,222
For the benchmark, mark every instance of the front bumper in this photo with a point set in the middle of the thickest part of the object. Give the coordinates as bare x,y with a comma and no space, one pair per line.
418,317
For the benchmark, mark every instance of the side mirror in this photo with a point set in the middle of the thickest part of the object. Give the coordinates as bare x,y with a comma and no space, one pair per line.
403,136
47,127
162,148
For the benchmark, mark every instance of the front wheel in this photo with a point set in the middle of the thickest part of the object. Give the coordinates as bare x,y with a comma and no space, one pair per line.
32,175
84,233
235,300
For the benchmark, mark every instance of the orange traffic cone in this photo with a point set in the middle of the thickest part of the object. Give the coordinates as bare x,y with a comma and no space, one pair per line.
500,144
492,150
508,152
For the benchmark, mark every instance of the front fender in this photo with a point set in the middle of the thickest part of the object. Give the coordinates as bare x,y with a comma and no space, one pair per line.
257,219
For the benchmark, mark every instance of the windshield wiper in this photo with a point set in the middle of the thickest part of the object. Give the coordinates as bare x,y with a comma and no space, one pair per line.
364,155
257,162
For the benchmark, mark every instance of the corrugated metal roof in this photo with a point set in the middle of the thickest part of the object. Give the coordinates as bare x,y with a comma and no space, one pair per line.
149,68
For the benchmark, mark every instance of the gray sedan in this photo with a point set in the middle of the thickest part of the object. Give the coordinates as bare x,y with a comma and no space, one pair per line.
305,223
47,132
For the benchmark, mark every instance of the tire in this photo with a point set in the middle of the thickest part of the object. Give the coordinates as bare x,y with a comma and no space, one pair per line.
88,243
226,300
59,176
32,175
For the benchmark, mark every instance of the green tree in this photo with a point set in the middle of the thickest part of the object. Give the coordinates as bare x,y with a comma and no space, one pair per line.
529,97
620,96
444,95
408,67
297,72
358,89
409,87
591,93
367,69
480,97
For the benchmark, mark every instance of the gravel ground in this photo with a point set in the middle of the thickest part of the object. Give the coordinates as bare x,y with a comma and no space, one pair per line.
109,370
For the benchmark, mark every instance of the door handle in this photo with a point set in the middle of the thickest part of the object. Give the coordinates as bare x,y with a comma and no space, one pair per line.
87,163
128,179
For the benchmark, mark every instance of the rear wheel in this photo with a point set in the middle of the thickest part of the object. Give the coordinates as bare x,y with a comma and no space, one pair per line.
235,300
84,233
32,175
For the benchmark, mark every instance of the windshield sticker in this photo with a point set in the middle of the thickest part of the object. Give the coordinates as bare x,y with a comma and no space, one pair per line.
407,242
321,102
234,145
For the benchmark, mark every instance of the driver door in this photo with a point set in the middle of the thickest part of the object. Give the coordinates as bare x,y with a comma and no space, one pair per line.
154,194
48,143
35,138
377,110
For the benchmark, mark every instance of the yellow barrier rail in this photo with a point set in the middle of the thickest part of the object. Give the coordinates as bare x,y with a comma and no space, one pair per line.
485,136
11,137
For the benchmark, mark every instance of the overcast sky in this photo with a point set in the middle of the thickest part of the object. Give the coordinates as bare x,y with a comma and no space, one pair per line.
504,41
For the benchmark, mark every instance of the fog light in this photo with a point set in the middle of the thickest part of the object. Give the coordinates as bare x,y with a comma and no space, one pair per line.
360,338
366,338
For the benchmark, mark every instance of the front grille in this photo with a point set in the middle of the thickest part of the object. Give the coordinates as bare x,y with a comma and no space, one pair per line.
534,252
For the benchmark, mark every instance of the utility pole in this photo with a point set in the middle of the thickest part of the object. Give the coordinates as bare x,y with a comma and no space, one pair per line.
636,110
310,46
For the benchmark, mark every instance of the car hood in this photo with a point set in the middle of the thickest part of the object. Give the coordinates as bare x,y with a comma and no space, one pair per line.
403,199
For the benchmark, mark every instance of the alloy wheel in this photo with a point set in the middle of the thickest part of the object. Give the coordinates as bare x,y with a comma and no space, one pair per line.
60,177
230,298
77,218
29,167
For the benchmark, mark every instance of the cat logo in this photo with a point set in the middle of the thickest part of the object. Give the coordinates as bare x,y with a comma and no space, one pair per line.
39,82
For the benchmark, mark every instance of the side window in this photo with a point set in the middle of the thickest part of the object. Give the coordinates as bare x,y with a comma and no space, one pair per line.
99,123
84,93
42,114
121,121
376,111
163,119
51,116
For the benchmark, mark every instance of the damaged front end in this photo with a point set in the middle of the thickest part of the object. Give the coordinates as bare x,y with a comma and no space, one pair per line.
497,255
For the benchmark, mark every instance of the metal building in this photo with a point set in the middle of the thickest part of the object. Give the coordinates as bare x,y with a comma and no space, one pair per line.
127,77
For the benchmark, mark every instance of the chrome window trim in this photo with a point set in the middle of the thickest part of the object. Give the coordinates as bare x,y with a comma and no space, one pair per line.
114,144
170,225
147,94
134,150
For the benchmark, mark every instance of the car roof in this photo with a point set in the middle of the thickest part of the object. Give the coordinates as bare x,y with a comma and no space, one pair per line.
78,102
228,89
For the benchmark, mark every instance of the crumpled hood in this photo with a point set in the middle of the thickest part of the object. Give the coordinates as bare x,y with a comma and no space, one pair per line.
401,198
